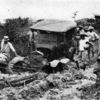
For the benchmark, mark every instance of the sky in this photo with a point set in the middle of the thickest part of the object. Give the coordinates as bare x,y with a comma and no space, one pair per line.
48,9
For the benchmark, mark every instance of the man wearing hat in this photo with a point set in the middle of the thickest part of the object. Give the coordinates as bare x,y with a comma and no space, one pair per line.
93,38
83,44
7,47
92,33
81,30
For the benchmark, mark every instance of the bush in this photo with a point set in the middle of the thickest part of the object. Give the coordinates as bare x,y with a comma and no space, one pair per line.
13,27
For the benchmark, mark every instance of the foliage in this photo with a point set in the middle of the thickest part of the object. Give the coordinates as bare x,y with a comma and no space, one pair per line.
86,22
13,26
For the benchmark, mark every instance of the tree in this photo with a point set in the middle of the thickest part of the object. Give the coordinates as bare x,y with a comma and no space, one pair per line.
86,22
12,27
75,14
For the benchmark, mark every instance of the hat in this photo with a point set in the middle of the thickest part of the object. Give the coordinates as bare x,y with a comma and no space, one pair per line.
86,28
6,37
91,28
83,35
80,26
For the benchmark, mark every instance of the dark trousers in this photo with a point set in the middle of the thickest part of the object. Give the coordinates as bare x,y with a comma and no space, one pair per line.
31,46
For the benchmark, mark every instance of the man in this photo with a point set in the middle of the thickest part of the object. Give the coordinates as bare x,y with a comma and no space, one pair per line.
83,45
7,47
32,42
81,31
93,39
92,33
31,39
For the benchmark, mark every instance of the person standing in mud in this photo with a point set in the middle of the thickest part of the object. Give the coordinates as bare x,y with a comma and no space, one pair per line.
94,37
87,38
79,31
83,45
31,41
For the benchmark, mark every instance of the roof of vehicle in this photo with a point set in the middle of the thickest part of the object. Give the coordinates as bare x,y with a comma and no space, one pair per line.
54,25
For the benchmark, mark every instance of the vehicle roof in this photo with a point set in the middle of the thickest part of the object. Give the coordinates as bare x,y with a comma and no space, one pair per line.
54,25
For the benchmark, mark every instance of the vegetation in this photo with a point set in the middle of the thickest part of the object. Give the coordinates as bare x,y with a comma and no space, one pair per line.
13,26
15,29
86,22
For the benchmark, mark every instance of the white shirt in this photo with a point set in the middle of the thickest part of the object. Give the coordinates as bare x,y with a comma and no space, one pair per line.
93,35
82,44
5,48
82,32
87,38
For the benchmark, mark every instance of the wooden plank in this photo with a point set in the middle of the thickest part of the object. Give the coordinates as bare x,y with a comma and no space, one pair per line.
18,82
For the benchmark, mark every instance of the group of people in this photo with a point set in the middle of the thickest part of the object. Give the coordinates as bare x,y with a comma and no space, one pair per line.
88,40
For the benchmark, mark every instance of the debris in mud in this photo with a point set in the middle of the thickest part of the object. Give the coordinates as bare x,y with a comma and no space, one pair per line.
70,84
